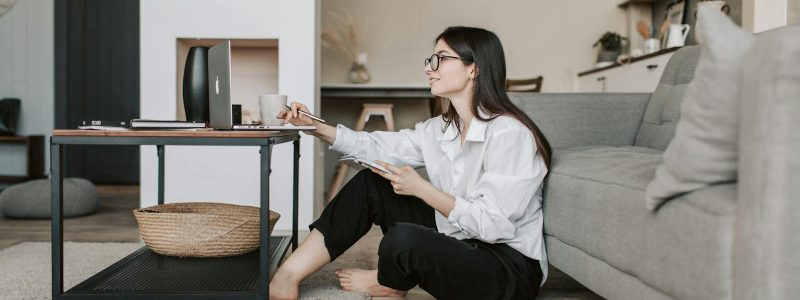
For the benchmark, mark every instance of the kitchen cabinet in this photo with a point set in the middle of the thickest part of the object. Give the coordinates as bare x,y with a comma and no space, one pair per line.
641,75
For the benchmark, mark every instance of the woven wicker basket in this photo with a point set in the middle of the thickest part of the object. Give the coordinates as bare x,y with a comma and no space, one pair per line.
201,229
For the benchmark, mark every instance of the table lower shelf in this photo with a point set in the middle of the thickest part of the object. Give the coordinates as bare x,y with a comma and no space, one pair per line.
145,272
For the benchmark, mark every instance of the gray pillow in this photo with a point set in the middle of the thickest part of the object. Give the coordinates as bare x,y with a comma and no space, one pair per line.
704,149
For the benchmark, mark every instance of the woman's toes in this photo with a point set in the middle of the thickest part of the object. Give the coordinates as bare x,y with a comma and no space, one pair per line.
346,286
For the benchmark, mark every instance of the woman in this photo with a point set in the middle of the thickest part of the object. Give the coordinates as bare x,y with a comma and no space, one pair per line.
475,230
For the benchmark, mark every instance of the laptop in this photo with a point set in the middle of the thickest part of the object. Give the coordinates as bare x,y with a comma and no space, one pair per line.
219,93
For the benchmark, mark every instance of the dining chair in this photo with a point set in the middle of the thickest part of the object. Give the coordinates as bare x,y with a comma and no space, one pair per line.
525,85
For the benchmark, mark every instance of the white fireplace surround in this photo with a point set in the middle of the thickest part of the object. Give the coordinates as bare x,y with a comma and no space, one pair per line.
228,174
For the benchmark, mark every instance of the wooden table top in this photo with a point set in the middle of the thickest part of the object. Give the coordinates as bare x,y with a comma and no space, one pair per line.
210,133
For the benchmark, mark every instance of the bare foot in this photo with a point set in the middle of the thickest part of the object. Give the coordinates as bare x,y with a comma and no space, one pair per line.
365,281
283,288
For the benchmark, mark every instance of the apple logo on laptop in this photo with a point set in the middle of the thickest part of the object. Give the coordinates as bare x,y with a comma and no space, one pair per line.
216,85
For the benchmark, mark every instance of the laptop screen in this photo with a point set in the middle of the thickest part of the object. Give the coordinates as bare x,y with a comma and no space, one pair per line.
219,86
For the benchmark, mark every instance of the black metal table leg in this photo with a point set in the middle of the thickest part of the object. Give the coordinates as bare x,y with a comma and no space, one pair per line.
266,154
160,153
57,219
294,192
97,287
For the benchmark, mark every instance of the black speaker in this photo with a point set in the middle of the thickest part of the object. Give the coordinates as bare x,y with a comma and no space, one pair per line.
236,114
195,85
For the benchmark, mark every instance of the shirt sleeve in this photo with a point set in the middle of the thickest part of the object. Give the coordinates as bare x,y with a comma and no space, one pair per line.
398,148
512,174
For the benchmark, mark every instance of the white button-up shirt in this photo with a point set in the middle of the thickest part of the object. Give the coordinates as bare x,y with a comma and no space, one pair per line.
495,176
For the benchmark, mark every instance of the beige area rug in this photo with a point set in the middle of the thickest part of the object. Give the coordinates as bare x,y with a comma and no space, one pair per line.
363,255
25,269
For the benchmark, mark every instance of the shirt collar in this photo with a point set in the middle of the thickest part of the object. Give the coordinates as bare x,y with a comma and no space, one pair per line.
477,128
449,134
476,132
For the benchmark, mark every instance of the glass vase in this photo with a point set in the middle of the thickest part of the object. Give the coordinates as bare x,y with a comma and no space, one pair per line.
358,73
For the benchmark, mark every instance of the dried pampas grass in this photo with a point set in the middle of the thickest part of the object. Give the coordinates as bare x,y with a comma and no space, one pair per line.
343,35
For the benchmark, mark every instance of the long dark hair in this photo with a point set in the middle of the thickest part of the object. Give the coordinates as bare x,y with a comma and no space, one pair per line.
483,48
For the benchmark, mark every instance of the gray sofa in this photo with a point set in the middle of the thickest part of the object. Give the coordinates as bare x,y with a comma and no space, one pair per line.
598,230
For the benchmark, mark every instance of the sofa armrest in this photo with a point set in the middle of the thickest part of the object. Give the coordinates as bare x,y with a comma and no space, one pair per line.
766,262
585,119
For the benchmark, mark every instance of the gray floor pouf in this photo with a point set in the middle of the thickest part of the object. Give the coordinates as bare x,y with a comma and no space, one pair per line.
31,200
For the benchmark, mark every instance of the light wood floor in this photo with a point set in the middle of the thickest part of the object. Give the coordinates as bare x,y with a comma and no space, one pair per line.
113,222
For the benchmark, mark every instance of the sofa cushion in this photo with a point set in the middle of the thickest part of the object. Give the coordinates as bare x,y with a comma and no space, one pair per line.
663,109
594,202
688,244
703,151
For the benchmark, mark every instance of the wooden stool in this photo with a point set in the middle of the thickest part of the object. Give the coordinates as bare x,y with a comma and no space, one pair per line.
368,110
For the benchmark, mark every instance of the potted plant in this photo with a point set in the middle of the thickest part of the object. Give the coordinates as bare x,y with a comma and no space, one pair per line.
611,46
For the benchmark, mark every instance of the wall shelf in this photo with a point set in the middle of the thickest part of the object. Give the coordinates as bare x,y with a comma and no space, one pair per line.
254,71
624,4
616,64
34,155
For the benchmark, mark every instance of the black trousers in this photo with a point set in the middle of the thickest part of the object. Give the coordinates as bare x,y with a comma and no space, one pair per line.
412,252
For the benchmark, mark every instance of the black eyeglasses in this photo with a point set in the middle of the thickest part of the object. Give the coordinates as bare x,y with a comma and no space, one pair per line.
435,59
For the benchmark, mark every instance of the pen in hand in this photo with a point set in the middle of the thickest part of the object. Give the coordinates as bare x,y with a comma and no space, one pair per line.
307,114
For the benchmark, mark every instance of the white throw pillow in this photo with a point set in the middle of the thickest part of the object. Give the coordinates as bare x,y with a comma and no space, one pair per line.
704,149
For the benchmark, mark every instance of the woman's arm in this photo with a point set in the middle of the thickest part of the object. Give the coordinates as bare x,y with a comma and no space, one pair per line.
402,147
406,181
501,195
513,173
436,198
324,131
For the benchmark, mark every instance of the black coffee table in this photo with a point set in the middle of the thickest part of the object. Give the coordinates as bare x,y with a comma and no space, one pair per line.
145,274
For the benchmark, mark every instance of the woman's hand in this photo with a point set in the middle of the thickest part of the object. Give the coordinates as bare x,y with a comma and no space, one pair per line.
291,115
404,180
294,117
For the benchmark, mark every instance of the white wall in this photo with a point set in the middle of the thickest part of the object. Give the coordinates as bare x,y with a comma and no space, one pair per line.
26,65
552,38
228,174
762,15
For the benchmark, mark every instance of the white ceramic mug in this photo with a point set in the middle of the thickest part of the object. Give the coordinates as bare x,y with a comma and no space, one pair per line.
677,35
269,106
651,45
